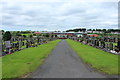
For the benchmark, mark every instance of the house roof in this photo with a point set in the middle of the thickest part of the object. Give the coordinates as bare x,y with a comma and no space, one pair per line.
93,35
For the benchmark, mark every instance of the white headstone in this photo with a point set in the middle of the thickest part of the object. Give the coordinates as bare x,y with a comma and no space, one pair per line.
20,44
7,44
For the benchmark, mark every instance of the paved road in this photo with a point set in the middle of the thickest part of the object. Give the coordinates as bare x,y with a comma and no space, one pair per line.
64,63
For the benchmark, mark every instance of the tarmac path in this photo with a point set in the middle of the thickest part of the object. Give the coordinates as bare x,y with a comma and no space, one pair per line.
63,62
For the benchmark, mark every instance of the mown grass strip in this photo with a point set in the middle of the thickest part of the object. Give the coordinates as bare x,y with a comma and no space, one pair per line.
101,60
0,68
25,61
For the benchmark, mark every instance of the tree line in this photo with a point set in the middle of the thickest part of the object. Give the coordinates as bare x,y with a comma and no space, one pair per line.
99,30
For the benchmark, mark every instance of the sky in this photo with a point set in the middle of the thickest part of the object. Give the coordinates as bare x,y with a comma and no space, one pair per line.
51,15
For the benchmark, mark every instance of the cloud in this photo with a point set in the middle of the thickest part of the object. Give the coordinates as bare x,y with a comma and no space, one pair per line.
58,14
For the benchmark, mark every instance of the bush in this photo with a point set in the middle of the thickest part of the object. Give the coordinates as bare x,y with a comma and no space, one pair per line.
7,36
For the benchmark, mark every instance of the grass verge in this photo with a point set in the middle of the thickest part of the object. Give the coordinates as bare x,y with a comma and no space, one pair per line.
0,68
25,61
101,60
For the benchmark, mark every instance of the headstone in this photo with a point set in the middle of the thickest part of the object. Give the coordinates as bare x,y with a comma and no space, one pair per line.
111,45
97,43
14,45
20,44
114,39
87,41
103,44
118,44
106,45
17,45
23,43
27,44
93,42
7,44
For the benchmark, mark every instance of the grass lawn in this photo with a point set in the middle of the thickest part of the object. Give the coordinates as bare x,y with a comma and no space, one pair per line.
115,44
25,61
27,34
0,68
97,58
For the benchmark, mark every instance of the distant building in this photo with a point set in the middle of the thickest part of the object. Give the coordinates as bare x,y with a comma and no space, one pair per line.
94,32
37,32
92,35
64,34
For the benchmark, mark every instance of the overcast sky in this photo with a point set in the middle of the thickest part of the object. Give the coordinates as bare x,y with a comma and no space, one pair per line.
53,15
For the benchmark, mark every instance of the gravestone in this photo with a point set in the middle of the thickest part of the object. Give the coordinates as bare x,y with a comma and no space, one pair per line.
97,44
7,44
93,42
114,39
17,46
20,44
111,45
14,46
87,41
23,43
107,46
103,44
118,44
27,44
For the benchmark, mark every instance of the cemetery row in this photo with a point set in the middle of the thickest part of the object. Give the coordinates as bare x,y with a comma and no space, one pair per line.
18,43
111,45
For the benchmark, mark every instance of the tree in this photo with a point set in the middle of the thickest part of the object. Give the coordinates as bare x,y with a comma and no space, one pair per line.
89,29
31,36
104,30
83,29
55,35
18,35
93,30
34,34
98,29
47,35
2,32
7,36
24,36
